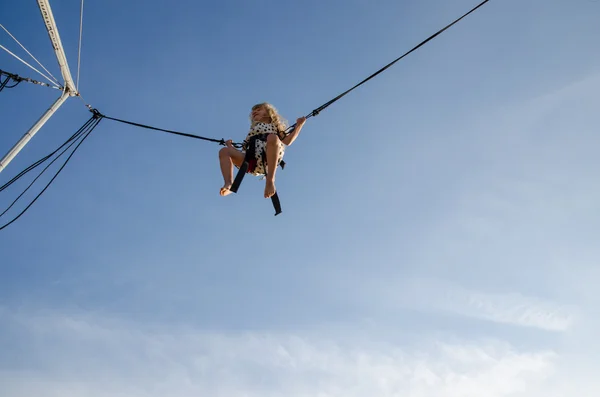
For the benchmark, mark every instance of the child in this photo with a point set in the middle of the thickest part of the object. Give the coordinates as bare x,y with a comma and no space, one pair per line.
267,134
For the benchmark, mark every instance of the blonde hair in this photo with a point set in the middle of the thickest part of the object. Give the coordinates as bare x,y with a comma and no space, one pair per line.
276,119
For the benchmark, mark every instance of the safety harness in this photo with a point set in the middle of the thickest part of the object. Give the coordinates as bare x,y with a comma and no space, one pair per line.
248,167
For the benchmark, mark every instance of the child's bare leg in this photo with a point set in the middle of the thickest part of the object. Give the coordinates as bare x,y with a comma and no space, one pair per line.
228,156
273,147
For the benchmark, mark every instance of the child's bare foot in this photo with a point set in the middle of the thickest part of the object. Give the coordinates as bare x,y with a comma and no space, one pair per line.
269,188
225,190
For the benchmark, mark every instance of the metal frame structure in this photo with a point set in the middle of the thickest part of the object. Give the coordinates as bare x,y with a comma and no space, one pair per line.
68,87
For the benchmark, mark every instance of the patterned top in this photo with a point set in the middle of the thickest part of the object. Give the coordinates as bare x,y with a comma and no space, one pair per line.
259,129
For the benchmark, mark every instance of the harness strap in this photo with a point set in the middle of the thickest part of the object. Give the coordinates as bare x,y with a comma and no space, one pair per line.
247,167
276,203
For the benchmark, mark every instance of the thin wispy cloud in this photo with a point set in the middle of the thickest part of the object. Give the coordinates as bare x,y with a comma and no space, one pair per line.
91,356
508,308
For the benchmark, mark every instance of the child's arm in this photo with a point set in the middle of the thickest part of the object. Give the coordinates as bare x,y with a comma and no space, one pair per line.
288,140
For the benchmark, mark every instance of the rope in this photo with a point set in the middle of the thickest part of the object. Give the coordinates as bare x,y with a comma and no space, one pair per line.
75,136
80,135
316,111
79,51
30,54
219,141
18,79
4,83
47,78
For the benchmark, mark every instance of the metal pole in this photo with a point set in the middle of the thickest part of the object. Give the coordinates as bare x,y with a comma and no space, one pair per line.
29,134
59,51
69,90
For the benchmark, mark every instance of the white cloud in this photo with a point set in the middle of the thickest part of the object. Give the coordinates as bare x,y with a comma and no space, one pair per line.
93,357
438,296
508,308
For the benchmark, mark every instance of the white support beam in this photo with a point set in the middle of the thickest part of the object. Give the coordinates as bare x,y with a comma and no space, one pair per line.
29,134
52,29
69,85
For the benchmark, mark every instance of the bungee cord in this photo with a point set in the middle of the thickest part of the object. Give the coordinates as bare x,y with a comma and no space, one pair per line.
81,135
6,77
219,141
319,109
433,36
43,159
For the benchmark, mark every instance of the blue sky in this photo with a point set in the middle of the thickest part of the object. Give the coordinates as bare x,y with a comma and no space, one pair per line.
439,233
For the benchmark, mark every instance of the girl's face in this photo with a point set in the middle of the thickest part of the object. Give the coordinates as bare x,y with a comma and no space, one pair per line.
260,114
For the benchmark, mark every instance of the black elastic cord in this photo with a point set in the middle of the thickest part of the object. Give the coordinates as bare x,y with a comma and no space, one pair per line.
40,161
17,79
9,77
326,104
52,162
219,141
85,134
